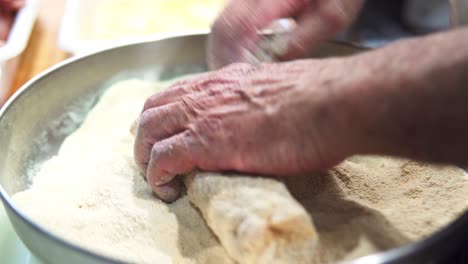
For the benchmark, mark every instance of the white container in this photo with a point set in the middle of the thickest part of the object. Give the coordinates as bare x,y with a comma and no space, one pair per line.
15,45
79,14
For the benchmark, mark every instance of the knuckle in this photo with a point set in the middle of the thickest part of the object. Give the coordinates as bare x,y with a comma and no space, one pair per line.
156,152
188,106
145,120
148,103
189,140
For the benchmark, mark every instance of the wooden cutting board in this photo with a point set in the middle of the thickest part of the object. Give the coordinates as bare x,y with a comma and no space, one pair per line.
42,50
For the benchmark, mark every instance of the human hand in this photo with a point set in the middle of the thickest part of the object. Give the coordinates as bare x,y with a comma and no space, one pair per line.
234,33
11,5
8,9
275,119
6,22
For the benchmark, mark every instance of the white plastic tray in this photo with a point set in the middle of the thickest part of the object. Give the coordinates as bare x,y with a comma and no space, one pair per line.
16,43
70,40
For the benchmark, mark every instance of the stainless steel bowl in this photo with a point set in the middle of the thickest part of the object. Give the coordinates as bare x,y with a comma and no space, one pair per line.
34,122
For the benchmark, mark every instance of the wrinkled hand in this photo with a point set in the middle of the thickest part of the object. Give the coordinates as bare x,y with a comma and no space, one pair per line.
235,30
271,119
11,5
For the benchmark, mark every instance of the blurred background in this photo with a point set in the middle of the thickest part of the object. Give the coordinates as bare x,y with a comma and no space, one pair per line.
36,34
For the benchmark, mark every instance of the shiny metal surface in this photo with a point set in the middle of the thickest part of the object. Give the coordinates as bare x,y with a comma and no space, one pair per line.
35,121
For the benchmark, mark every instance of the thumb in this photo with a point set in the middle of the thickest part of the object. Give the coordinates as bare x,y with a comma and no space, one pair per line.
319,23
235,30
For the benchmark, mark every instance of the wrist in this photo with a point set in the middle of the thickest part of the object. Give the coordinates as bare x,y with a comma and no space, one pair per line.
406,99
353,114
332,92
362,105
383,97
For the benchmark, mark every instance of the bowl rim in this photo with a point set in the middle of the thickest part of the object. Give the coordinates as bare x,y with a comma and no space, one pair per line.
10,206
388,256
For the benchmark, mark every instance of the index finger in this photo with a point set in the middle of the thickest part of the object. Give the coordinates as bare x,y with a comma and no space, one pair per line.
170,157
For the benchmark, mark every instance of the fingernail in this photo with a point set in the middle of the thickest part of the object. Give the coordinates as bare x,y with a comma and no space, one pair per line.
169,192
161,180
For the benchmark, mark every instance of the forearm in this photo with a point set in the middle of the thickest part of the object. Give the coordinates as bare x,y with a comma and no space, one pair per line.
411,99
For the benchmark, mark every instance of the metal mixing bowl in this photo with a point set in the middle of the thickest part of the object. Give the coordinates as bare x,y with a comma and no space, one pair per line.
34,123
